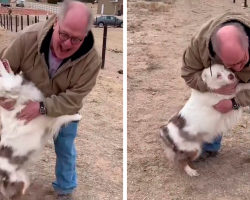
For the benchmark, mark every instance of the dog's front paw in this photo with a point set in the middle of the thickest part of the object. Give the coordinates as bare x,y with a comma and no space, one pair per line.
191,172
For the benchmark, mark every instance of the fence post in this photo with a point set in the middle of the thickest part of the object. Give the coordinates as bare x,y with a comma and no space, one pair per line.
16,23
35,19
104,45
4,20
233,1
1,22
21,22
28,20
11,28
245,4
7,19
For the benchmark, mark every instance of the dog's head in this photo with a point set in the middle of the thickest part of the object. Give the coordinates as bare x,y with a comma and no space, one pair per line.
13,186
217,76
9,82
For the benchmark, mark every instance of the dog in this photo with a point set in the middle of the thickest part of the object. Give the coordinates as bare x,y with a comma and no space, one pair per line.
198,122
21,144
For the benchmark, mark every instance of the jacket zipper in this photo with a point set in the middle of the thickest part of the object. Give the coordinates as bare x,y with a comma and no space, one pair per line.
61,69
47,72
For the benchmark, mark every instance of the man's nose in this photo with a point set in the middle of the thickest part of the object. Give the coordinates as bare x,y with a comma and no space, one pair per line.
68,43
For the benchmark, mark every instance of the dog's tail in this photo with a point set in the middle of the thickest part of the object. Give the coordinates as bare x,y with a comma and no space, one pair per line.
62,120
164,134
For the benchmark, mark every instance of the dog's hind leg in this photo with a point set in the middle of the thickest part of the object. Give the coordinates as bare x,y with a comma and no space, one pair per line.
191,172
184,158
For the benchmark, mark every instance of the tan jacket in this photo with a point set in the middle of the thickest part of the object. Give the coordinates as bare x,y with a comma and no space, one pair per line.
199,55
74,79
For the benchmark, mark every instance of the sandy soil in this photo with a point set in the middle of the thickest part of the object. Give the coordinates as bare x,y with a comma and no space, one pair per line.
99,142
157,37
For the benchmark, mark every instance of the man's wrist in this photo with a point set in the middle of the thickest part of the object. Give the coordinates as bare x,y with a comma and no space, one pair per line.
42,109
235,105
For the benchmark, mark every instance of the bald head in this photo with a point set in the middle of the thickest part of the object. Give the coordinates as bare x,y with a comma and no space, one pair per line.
229,38
230,43
75,12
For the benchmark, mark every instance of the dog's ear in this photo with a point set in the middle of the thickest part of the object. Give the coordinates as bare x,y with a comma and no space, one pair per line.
204,76
5,67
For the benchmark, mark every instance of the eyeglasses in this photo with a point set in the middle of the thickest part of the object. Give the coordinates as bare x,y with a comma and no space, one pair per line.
64,37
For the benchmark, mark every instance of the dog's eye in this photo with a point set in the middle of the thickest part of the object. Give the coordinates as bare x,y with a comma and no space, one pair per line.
218,75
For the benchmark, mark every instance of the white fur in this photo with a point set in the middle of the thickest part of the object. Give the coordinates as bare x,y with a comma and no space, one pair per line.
200,115
15,134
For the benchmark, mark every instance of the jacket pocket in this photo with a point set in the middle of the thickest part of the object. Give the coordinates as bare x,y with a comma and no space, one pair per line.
30,64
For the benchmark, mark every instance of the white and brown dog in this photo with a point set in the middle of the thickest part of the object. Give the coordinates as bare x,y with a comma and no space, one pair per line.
22,143
198,122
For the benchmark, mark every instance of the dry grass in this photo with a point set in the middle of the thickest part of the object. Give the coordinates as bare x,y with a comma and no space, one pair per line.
153,66
153,6
134,26
164,1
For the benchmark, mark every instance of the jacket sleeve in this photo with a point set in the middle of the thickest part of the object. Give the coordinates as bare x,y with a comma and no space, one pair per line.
70,102
192,67
14,54
243,98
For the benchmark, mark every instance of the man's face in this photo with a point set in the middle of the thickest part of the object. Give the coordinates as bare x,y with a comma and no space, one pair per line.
67,37
235,59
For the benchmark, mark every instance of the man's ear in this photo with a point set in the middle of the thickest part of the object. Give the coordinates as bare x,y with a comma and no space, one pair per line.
204,77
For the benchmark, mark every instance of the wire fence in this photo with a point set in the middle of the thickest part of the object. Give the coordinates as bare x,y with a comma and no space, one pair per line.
17,23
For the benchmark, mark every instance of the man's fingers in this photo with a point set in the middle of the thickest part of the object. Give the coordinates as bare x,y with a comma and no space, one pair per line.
27,121
21,114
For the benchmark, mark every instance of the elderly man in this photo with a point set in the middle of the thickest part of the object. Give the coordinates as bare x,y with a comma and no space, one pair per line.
224,40
58,55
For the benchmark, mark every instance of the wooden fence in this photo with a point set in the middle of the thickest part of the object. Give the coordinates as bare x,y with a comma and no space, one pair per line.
17,22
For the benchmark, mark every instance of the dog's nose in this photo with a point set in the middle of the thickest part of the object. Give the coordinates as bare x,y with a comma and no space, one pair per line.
231,77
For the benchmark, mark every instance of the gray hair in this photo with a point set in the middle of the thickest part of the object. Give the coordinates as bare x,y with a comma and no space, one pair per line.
243,38
66,5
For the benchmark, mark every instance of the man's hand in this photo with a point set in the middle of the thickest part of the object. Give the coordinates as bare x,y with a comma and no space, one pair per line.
9,105
227,89
30,112
224,106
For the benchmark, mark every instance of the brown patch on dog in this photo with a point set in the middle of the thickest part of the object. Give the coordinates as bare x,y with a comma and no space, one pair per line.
184,158
180,122
181,158
7,152
166,138
4,175
14,189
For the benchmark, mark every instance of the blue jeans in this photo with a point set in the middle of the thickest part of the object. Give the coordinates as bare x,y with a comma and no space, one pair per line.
215,146
65,169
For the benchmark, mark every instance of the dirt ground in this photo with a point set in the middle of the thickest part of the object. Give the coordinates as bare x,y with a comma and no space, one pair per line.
157,37
100,141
